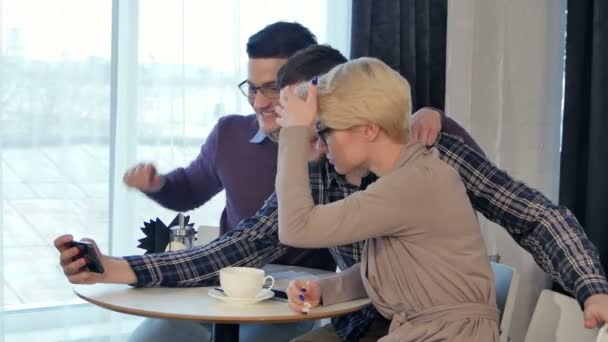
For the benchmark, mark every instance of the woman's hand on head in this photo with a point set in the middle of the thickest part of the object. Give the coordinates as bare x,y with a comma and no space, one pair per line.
296,112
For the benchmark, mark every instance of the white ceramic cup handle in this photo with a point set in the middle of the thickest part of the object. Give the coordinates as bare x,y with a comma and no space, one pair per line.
268,288
602,335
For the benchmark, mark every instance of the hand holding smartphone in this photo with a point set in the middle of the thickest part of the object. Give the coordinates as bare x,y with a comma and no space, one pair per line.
88,252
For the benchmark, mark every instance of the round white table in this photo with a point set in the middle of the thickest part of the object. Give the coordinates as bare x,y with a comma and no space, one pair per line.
194,304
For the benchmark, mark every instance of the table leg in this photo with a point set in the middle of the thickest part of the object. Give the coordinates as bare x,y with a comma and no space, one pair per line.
225,332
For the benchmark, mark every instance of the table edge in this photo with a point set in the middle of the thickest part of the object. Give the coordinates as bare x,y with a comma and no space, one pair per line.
240,320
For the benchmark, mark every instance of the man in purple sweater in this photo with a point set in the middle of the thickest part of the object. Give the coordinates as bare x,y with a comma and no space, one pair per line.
239,155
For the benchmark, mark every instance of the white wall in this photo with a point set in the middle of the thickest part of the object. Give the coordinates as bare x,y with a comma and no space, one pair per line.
504,85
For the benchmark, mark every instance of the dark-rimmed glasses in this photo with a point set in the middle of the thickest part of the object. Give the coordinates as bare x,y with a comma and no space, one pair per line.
323,132
270,91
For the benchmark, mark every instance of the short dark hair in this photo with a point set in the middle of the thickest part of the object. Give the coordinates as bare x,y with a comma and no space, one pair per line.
309,62
279,40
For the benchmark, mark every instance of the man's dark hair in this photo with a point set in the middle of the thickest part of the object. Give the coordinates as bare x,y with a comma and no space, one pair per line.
305,64
279,40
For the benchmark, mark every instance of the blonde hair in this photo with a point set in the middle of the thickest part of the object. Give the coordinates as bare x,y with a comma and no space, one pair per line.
364,91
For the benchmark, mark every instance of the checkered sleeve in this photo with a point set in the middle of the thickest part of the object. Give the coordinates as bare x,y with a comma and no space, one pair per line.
254,243
549,232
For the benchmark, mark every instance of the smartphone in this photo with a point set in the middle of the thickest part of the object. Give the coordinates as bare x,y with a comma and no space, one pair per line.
87,251
280,295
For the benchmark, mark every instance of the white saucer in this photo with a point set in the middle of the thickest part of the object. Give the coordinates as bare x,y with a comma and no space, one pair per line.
264,294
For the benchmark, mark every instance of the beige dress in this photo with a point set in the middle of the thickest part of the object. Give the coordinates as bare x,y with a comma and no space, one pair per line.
424,266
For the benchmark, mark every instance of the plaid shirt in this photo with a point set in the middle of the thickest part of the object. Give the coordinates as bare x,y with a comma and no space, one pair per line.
549,232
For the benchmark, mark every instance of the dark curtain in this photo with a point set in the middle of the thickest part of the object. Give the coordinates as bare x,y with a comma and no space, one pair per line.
408,35
584,160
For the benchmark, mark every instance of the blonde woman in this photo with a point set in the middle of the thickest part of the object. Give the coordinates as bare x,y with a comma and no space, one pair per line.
425,265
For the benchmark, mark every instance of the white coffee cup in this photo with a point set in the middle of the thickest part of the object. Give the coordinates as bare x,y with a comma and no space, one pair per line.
244,282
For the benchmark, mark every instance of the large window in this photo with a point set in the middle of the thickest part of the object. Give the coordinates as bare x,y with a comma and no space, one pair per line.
88,89
54,101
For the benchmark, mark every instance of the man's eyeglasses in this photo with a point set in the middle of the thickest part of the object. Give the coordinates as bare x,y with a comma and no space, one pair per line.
271,91
323,133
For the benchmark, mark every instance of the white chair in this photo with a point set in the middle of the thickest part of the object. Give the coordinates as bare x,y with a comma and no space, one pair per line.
559,318
506,283
602,335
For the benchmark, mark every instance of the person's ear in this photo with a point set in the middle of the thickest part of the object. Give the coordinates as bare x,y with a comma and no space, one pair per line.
371,131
